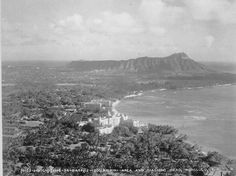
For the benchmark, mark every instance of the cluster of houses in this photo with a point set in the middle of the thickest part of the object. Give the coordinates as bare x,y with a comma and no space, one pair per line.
105,122
107,118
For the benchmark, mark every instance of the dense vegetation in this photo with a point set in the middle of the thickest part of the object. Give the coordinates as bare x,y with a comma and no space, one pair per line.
127,150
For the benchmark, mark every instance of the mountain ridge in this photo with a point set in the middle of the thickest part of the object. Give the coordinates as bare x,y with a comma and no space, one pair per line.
177,63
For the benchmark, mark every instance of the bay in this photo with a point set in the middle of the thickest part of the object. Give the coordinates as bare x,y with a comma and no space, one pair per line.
206,115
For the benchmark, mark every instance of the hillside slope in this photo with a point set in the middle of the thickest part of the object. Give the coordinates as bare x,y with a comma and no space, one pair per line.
178,63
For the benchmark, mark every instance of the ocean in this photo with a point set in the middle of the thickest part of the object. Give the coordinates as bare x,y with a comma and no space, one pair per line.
206,115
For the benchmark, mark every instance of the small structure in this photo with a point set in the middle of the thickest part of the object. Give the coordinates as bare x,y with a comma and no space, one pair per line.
103,121
140,131
82,123
114,120
92,106
104,103
124,117
136,123
79,144
105,130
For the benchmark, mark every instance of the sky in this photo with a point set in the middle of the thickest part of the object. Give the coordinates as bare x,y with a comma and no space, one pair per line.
118,29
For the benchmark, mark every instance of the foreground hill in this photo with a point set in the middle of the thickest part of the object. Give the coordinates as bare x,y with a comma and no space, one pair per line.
175,64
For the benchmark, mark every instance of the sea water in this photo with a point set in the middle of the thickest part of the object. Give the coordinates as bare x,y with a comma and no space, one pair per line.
206,115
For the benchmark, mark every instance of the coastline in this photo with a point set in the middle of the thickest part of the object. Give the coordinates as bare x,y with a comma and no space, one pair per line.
140,93
114,104
204,149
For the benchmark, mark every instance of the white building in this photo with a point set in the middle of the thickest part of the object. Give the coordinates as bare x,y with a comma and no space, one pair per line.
124,117
114,120
105,130
108,123
110,120
103,121
82,123
137,123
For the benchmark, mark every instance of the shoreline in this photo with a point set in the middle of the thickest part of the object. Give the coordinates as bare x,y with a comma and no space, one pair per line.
202,148
114,104
135,94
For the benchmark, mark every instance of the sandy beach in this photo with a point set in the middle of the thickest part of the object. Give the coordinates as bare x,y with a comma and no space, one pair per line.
114,104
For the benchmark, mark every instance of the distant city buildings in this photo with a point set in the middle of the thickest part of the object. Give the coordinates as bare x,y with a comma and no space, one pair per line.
103,121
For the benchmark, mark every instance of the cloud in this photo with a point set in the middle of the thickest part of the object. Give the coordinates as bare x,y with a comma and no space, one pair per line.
209,41
75,20
116,23
159,15
14,40
70,23
17,34
158,12
122,29
169,12
106,22
110,33
107,31
152,10
223,11
156,30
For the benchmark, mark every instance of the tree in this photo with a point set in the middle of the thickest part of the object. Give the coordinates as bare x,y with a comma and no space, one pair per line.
213,158
89,127
122,131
